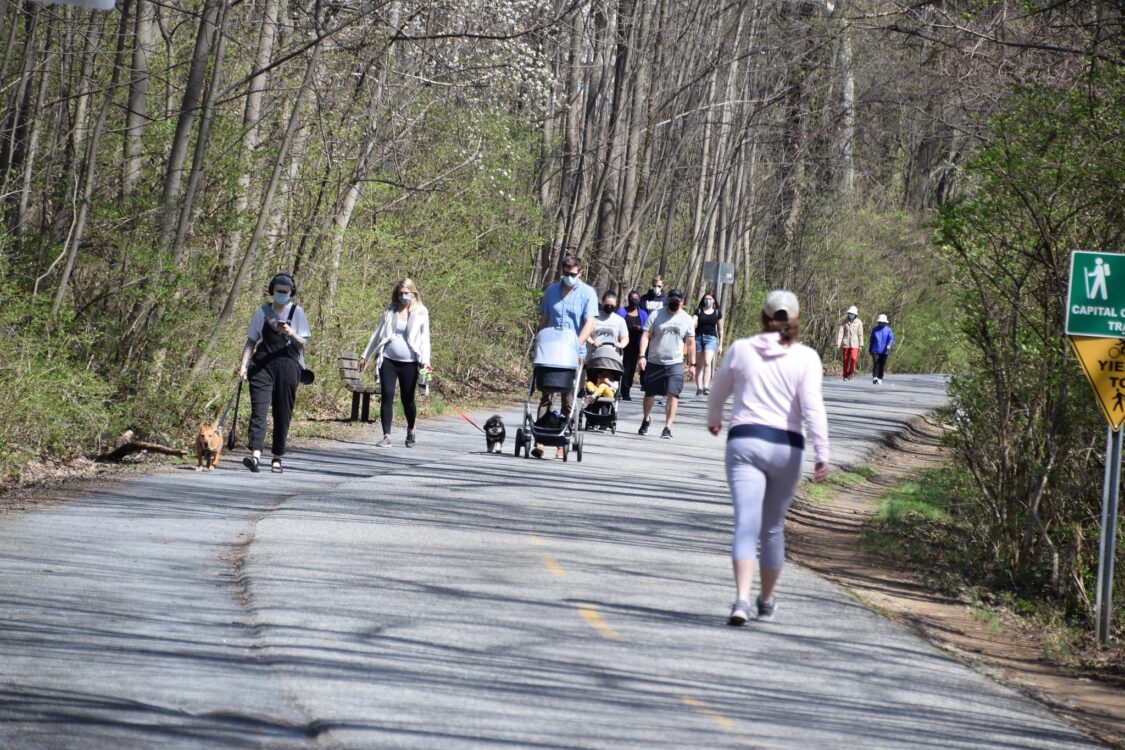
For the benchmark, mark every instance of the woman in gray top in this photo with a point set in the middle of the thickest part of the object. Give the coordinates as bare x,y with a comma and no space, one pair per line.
401,348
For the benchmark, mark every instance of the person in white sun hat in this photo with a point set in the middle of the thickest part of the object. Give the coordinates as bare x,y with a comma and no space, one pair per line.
882,339
849,339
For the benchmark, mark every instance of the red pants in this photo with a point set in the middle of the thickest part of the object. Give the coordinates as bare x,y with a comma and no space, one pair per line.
851,357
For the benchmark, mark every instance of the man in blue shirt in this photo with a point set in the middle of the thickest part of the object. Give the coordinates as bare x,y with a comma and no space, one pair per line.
571,304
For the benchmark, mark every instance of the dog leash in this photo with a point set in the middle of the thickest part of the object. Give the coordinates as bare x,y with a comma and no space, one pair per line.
474,424
230,403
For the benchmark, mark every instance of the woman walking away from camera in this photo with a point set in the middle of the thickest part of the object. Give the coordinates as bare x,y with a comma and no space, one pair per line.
708,341
882,338
635,319
276,338
400,347
775,383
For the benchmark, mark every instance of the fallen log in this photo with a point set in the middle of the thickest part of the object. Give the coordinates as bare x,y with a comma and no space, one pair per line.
136,446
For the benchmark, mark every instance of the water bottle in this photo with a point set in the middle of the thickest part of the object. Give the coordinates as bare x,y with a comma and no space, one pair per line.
424,381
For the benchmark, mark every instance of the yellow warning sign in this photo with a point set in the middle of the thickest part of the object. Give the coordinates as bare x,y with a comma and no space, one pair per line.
1103,361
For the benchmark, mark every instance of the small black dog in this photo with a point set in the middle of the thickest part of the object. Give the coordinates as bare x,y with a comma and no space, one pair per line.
494,433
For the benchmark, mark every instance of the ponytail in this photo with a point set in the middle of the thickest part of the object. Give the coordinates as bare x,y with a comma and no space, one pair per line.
790,329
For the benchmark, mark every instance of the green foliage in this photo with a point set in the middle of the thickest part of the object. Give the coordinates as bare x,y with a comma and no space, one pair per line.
1047,182
53,405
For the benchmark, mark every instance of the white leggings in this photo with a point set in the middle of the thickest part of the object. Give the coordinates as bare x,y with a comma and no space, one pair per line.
762,476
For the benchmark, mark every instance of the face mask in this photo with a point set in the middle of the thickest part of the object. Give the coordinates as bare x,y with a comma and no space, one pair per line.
569,280
406,297
656,290
851,316
281,298
708,304
674,305
607,309
633,302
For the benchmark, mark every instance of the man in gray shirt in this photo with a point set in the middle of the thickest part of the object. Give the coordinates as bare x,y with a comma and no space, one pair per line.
668,333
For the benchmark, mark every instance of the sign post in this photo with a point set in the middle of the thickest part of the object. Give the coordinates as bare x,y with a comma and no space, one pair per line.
719,274
1095,325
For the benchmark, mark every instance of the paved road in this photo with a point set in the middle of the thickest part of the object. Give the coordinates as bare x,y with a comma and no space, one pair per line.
443,597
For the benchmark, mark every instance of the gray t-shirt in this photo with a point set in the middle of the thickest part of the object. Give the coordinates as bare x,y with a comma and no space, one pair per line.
667,332
609,329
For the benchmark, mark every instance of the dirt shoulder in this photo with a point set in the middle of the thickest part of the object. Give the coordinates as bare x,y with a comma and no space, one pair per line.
824,536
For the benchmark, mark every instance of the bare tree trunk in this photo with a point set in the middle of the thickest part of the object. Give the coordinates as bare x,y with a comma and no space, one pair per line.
189,108
136,115
90,172
179,245
263,214
251,121
36,128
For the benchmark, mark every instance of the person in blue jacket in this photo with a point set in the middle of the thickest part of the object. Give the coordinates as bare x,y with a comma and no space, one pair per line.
882,338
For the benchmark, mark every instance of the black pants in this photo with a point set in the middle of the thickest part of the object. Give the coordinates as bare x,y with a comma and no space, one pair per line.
274,384
879,362
406,373
629,360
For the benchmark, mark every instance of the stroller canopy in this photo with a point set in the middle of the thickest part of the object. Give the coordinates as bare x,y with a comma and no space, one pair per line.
556,347
606,357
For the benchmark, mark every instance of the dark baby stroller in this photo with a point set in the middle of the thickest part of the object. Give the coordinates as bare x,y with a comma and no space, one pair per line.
601,412
555,366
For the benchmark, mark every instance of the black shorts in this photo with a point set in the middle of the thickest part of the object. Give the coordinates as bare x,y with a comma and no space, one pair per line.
664,380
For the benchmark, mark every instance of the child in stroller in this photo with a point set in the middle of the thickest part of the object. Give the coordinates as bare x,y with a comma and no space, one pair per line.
603,383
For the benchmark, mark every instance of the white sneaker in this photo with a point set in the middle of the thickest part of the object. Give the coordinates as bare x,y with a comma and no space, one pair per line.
739,613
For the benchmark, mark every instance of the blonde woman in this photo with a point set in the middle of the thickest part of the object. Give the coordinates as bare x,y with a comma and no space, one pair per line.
400,347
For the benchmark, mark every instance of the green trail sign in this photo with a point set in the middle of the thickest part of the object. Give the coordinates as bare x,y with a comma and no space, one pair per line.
1096,298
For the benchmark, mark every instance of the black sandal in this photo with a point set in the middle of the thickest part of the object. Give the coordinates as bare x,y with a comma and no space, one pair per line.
275,465
251,463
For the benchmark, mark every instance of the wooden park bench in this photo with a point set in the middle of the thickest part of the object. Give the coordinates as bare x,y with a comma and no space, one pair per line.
349,373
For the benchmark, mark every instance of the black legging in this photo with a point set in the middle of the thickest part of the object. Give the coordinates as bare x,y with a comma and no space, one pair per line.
407,375
629,358
879,361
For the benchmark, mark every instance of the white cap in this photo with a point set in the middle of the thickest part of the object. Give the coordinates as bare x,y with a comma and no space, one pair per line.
853,310
780,300
882,319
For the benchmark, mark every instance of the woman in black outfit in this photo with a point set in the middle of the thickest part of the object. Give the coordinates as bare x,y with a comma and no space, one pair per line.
635,318
708,341
276,338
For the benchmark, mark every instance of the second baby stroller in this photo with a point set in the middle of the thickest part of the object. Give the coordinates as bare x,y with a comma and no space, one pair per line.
555,367
604,369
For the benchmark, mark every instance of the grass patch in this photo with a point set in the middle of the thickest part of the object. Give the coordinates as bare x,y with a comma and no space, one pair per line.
881,543
926,497
823,492
987,617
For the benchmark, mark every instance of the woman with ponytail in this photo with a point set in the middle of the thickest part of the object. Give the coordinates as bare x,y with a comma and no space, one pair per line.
775,383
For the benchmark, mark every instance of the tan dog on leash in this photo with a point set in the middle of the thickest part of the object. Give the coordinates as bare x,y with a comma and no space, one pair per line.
208,446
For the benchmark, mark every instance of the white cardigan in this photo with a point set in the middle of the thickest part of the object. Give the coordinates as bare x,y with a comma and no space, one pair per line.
417,335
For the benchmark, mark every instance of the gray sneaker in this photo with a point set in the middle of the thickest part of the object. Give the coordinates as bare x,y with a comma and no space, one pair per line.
410,440
384,443
766,610
666,434
739,613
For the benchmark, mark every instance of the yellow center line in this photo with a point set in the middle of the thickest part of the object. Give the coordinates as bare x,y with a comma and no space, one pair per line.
591,616
553,566
536,540
710,713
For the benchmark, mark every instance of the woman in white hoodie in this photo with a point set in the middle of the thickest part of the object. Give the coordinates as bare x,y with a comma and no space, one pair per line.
401,349
775,382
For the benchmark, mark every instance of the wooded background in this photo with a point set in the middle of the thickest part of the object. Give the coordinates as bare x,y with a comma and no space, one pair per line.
158,163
